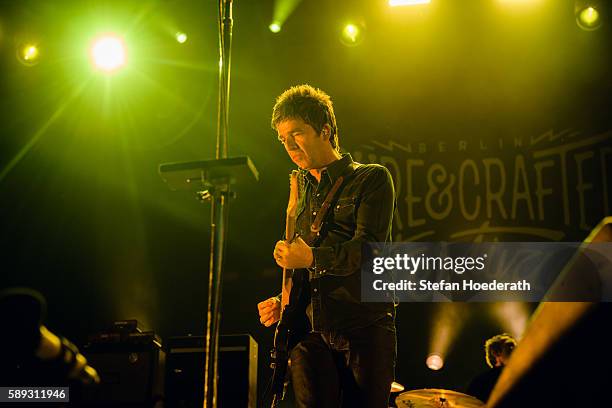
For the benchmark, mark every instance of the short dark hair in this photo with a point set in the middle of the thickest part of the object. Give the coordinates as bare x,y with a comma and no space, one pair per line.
311,105
499,345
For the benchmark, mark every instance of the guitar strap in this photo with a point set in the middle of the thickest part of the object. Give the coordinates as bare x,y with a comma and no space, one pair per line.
315,227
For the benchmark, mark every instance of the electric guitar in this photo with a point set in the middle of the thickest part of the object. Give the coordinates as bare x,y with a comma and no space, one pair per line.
295,296
294,299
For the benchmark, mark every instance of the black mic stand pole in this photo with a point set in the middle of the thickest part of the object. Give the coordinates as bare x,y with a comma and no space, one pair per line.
212,179
219,210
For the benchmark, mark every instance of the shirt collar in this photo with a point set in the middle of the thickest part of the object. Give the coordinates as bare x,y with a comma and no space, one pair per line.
333,170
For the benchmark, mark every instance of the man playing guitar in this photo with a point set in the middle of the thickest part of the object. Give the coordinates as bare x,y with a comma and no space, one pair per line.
347,357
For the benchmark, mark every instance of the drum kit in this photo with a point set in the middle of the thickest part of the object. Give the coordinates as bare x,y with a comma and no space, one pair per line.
436,398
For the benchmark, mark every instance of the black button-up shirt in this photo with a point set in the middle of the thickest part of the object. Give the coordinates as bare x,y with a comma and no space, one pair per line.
362,211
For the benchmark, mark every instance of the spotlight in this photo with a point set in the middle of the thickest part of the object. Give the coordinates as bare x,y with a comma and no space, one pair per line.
28,54
108,53
434,362
446,323
181,37
283,9
512,317
588,18
352,34
394,3
275,27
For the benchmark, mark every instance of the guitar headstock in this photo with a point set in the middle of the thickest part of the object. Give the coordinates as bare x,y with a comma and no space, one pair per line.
293,193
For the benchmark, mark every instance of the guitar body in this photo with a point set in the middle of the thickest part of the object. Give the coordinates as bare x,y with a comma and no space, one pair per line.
291,328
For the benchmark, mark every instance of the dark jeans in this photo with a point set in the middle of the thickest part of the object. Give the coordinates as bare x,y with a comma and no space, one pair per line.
352,369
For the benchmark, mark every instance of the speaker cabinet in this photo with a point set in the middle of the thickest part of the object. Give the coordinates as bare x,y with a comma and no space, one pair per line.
237,384
131,376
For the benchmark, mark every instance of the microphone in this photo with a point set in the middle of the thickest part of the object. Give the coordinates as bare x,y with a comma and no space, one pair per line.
60,350
23,310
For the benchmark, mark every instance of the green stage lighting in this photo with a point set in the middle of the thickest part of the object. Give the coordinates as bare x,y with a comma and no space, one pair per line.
28,54
588,18
108,53
275,27
181,37
352,34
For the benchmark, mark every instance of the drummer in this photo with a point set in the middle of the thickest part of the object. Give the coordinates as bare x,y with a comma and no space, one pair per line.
497,353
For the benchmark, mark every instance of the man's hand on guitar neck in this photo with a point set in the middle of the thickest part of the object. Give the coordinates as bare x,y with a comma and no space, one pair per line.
269,311
293,255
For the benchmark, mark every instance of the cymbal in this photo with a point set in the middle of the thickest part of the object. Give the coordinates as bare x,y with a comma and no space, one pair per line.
436,398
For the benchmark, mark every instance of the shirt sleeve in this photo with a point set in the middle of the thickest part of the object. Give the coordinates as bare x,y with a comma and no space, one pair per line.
373,224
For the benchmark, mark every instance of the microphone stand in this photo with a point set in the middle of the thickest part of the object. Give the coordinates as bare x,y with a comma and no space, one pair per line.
219,210
219,215
213,179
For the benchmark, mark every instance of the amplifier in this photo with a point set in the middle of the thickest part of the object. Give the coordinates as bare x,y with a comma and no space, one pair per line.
131,373
237,385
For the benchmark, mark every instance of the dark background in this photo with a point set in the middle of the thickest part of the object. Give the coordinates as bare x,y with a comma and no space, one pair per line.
87,220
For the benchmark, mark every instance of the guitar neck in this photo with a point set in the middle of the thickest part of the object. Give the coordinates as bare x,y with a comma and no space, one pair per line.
290,227
290,232
287,282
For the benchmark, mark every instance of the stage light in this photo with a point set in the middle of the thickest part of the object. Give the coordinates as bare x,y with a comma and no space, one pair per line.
434,362
394,3
512,317
352,34
28,54
283,9
108,53
181,37
274,27
446,323
588,18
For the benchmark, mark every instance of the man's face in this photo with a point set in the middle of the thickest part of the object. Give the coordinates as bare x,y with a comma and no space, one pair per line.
304,145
